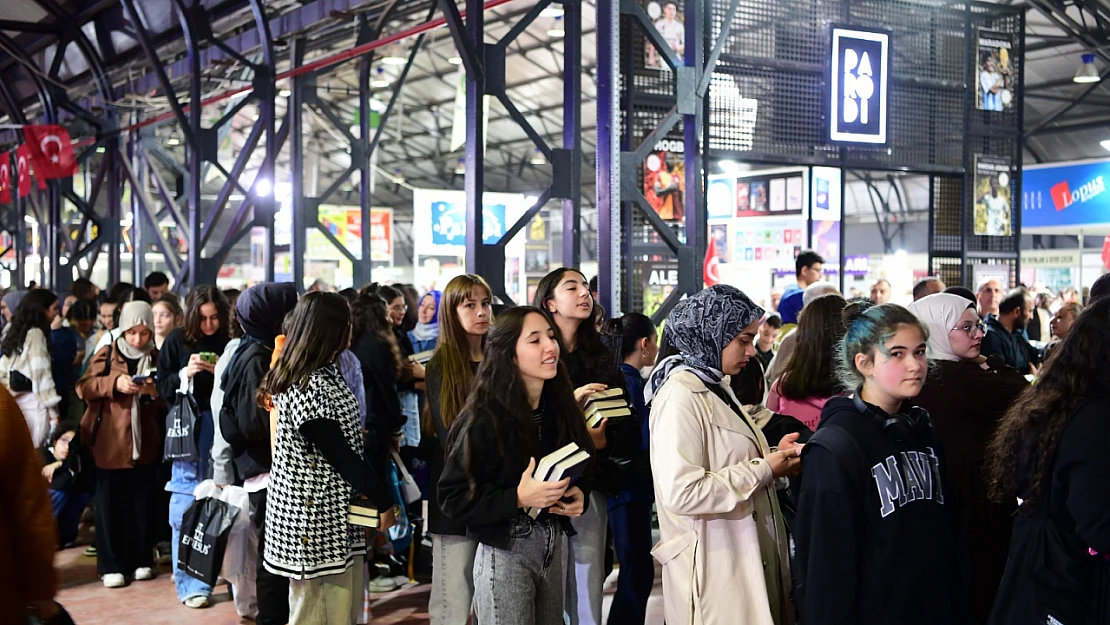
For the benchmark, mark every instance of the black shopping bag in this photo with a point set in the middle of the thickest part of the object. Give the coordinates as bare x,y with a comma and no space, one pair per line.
181,430
204,531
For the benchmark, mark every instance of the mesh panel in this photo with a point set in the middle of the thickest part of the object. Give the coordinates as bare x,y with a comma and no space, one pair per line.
950,270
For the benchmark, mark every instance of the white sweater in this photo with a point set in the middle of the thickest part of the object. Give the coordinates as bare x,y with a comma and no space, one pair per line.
34,362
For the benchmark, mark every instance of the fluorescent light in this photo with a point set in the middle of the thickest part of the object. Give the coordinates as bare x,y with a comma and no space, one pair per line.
1105,144
557,30
394,55
728,166
552,11
538,157
285,93
394,60
100,149
1087,72
379,83
398,176
263,187
460,167
455,60
173,141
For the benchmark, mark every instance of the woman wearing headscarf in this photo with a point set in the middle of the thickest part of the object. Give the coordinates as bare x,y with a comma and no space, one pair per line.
426,332
122,425
260,311
9,303
722,542
966,396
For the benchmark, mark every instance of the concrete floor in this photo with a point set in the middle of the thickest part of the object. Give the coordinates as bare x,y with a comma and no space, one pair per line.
155,602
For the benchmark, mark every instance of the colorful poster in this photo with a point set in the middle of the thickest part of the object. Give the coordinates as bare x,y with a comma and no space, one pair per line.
659,279
668,19
743,201
721,197
995,77
759,197
665,183
381,234
720,241
993,206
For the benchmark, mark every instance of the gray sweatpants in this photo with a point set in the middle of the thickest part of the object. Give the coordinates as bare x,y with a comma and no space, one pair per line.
524,584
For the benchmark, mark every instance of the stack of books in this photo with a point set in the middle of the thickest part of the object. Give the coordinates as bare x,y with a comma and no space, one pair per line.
363,514
607,404
568,461
422,357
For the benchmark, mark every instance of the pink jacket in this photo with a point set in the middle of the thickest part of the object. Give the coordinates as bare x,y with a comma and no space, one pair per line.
807,410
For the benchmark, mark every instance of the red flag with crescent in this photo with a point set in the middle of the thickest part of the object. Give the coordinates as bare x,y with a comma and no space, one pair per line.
709,267
5,178
23,170
51,151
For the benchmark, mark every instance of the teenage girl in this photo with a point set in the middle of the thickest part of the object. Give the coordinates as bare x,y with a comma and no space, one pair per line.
565,295
522,408
874,537
464,322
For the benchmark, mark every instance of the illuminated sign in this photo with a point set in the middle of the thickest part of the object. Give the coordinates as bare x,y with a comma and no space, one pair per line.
858,86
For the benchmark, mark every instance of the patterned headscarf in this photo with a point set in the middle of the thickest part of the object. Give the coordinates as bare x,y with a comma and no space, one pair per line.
699,328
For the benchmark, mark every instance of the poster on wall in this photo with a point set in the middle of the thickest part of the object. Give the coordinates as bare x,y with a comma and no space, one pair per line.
720,198
994,86
665,179
668,20
381,234
778,195
720,241
743,199
759,197
659,279
794,201
992,196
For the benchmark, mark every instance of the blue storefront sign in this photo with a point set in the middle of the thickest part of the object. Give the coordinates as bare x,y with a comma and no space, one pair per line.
449,223
1072,195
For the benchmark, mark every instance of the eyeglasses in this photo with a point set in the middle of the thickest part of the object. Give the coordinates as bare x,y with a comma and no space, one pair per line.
399,309
970,329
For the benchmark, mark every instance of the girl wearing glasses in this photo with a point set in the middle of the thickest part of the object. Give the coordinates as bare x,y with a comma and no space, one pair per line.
966,396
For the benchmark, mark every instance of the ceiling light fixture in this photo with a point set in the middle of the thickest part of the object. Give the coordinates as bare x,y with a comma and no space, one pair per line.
454,60
460,167
173,140
398,176
557,30
552,11
1087,72
285,93
1105,144
393,56
263,187
379,80
538,157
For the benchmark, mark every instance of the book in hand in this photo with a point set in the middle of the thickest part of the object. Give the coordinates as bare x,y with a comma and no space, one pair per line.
363,514
567,461
422,357
608,404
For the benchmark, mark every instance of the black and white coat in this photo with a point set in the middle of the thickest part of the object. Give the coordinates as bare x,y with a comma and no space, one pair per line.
307,534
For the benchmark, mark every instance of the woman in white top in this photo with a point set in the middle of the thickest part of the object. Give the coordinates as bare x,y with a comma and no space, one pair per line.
25,362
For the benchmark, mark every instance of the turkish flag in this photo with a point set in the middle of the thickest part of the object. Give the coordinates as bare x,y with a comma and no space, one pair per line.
709,267
1106,252
5,178
51,151
23,170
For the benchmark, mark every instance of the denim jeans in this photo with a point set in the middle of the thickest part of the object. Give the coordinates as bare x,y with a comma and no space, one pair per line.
586,564
523,584
452,579
187,585
631,525
68,507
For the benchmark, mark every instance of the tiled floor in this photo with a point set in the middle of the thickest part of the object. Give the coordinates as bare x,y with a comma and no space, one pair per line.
155,603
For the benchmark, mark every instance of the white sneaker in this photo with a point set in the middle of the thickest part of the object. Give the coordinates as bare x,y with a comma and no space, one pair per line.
382,584
401,580
115,580
197,602
143,574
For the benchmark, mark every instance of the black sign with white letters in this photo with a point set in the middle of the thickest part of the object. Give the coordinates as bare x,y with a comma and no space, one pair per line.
858,86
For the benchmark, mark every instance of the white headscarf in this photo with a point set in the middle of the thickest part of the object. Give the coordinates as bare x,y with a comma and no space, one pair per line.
136,314
941,312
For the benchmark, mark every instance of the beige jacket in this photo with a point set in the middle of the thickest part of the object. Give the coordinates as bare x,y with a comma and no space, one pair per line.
722,540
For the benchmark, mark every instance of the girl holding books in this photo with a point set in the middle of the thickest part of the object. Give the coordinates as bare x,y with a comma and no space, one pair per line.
465,319
522,409
564,294
318,468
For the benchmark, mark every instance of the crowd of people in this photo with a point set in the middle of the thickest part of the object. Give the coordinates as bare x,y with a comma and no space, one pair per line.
832,461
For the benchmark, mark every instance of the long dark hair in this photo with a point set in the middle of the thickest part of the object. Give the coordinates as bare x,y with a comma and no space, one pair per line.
1022,447
370,317
452,354
599,361
811,370
500,395
319,330
31,313
621,334
199,296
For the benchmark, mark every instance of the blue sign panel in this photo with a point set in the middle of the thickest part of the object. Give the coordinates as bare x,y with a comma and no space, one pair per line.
449,223
1067,195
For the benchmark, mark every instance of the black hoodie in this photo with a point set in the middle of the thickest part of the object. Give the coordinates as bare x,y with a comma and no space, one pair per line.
874,539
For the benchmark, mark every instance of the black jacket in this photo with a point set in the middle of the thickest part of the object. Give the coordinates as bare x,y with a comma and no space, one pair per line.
384,418
174,356
244,424
1051,571
874,539
489,508
438,522
1011,347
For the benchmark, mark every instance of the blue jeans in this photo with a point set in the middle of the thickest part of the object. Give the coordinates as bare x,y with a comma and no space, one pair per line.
631,525
68,507
187,585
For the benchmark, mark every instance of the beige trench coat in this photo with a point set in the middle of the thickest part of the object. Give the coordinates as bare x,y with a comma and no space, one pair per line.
722,543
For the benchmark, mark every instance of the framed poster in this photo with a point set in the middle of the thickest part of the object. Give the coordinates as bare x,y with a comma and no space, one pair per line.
993,206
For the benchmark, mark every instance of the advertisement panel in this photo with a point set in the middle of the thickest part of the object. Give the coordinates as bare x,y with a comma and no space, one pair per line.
994,84
1070,195
992,196
381,234
858,85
